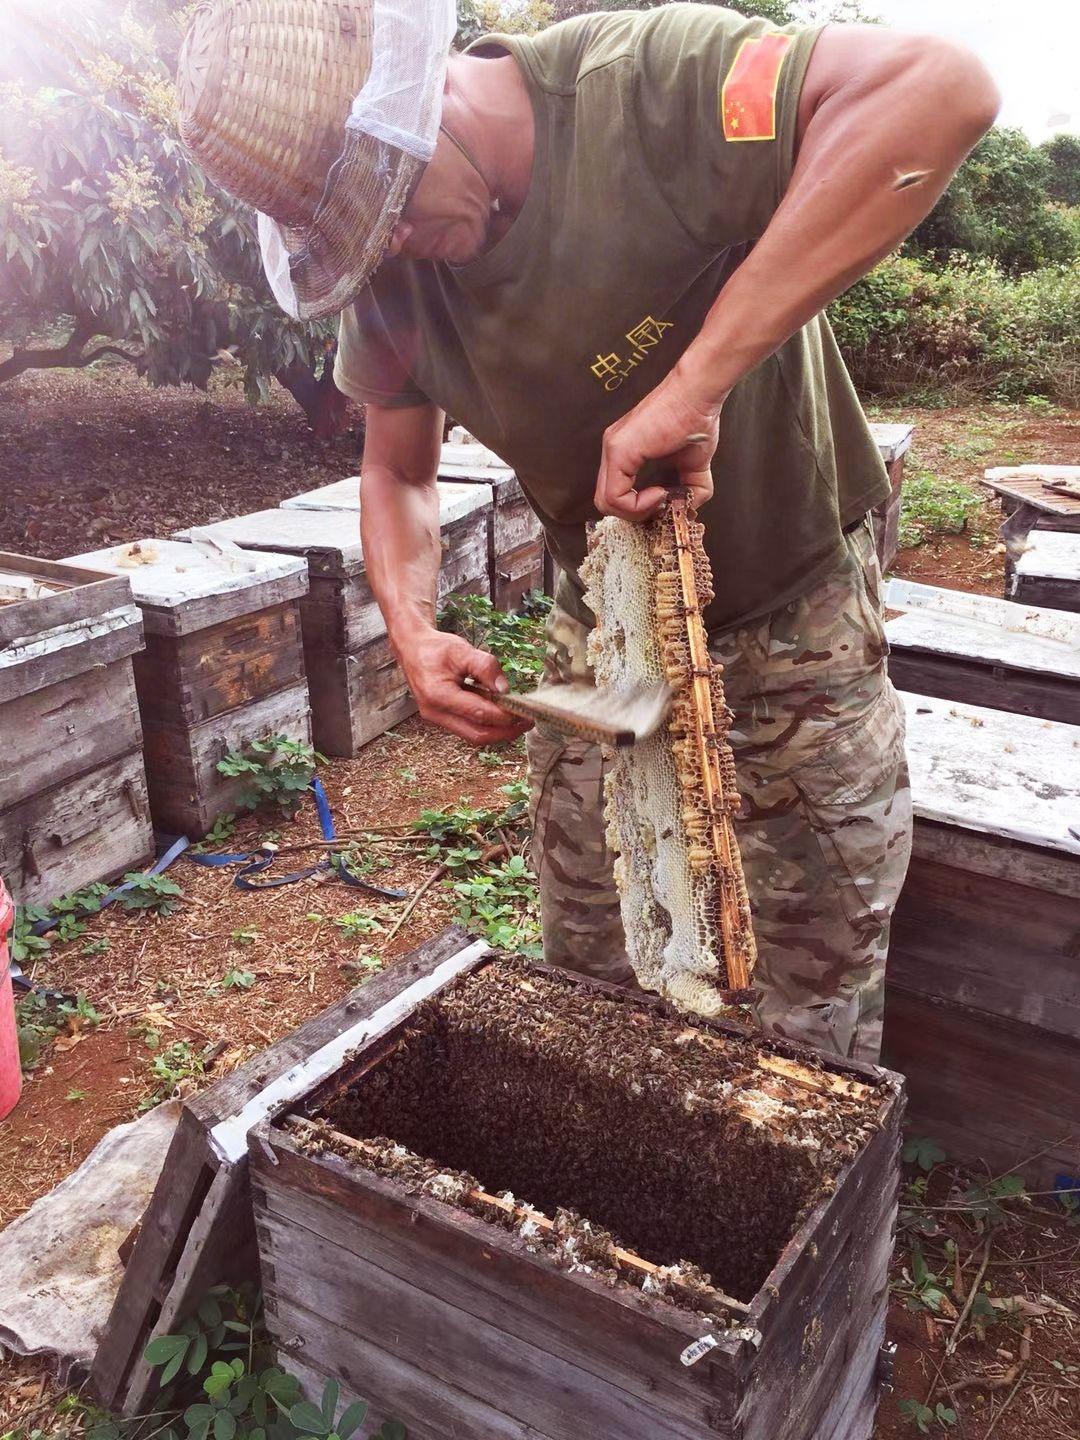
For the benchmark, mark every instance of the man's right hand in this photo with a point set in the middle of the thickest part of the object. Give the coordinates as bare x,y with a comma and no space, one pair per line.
436,666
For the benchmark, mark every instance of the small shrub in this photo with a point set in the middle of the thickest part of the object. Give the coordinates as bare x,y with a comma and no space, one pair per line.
502,905
273,771
932,505
516,640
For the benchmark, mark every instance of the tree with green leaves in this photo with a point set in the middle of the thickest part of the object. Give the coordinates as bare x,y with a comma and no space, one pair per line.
113,240
1063,157
998,207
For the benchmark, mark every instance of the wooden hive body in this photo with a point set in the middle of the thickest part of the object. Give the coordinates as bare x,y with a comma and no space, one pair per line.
982,1008
1048,572
223,666
984,651
455,1323
516,548
73,804
893,442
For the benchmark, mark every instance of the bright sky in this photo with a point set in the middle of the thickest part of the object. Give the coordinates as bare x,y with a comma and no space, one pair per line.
1031,46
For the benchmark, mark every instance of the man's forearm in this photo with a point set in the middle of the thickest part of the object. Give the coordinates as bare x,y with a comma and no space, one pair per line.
399,525
878,150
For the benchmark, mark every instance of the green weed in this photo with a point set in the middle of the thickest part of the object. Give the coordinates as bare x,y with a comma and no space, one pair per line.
502,905
273,771
932,505
516,640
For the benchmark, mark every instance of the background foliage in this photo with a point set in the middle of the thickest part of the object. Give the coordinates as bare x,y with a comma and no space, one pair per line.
112,241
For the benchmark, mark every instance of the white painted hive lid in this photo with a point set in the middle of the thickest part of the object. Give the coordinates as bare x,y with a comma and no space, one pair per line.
1000,774
471,460
983,629
456,500
1050,555
171,572
893,440
291,532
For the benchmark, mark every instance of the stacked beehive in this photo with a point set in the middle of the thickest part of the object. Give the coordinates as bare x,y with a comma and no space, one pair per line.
517,559
223,666
73,806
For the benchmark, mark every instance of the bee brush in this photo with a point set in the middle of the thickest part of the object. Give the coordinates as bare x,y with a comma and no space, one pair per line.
617,718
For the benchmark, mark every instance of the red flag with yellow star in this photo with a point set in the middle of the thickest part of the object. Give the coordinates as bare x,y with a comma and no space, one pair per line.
748,99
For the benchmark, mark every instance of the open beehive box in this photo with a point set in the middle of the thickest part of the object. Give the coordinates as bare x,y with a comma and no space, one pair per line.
539,1206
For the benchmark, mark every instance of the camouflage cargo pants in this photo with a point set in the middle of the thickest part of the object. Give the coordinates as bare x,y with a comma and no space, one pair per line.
825,825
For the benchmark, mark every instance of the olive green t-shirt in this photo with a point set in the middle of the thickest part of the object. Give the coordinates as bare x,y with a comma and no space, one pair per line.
664,142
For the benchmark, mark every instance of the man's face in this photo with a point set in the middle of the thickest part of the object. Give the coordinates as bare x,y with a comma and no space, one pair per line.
449,215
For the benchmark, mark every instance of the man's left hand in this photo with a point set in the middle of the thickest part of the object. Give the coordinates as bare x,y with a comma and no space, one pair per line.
658,428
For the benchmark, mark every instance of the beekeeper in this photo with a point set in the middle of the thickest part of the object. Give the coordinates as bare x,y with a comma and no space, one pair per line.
586,246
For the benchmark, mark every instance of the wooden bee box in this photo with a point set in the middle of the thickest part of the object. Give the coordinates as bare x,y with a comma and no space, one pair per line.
982,1009
73,807
357,687
1033,497
223,666
959,646
1048,572
893,441
405,1269
516,552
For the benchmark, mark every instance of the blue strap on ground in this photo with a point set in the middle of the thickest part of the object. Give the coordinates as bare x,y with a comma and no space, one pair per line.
257,862
162,863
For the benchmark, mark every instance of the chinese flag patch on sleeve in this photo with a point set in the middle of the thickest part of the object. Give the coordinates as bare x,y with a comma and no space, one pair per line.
748,99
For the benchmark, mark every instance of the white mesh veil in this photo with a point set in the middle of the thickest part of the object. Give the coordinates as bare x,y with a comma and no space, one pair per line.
399,103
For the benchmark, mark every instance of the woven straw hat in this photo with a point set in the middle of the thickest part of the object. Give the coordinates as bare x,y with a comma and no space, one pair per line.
265,91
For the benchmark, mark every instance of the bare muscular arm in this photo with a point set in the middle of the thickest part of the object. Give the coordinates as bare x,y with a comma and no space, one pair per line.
399,524
885,119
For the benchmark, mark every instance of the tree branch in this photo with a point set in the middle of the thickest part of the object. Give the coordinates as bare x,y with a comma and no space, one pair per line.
69,356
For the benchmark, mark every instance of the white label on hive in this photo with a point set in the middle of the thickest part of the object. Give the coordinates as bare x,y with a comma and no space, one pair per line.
697,1348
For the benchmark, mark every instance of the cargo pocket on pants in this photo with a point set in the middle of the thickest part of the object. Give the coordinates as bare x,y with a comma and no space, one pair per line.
544,749
856,795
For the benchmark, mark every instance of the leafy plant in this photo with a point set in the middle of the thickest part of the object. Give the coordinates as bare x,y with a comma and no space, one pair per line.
922,1289
246,935
177,1063
218,1378
516,640
503,906
39,1019
97,946
223,829
932,505
236,979
272,771
985,1199
922,1151
922,1417
158,893
358,924
75,1094
115,244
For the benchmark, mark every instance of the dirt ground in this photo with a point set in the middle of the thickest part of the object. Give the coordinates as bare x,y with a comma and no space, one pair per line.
89,459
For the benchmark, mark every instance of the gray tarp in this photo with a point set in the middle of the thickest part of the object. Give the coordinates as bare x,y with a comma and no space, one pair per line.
59,1266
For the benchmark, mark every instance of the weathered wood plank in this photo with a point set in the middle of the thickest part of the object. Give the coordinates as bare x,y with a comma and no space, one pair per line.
1048,572
464,1351
357,697
455,500
187,792
991,1091
79,594
191,678
989,944
67,729
368,1371
1028,485
56,655
331,548
91,828
620,1335
976,682
1001,774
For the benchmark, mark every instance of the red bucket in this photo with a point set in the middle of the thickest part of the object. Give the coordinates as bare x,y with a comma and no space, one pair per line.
10,1069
